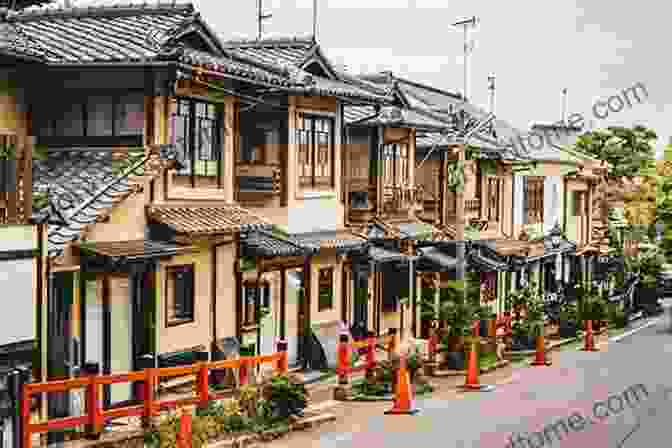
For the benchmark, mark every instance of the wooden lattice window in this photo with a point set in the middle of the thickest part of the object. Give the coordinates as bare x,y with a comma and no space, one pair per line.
326,284
533,199
251,294
494,191
395,165
315,136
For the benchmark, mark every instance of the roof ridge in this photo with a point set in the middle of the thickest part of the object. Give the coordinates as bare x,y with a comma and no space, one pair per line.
426,86
115,10
268,41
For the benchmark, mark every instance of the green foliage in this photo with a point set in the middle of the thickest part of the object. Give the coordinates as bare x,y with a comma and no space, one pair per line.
628,151
455,176
8,152
284,397
569,312
40,200
617,316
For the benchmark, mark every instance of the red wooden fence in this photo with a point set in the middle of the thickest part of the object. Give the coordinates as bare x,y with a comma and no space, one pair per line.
95,416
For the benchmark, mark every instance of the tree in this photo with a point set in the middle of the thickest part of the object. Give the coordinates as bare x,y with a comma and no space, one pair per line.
628,151
664,199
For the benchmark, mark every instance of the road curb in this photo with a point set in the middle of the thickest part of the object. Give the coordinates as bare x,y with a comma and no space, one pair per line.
635,330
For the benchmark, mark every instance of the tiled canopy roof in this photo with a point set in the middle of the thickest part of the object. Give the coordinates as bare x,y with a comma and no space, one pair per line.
415,229
13,42
264,244
133,249
195,220
83,186
433,259
105,33
406,118
341,240
382,255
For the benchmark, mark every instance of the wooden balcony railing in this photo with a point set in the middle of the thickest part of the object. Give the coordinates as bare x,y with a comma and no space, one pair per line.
258,179
400,197
15,179
472,206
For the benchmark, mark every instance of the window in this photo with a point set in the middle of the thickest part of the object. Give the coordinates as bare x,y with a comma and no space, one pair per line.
250,293
94,120
316,151
197,136
129,114
395,165
533,199
180,295
326,283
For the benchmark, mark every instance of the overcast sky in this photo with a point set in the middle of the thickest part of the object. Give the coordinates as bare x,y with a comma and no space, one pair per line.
594,48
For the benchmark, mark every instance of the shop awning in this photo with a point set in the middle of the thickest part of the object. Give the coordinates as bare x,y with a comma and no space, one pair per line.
342,240
484,256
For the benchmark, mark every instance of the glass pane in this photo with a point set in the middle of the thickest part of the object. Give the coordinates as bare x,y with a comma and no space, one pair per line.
130,117
181,140
99,116
70,122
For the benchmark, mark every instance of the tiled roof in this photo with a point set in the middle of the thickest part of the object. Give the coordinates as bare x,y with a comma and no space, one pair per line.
105,33
197,220
235,67
414,229
13,42
83,186
341,240
356,113
274,50
277,75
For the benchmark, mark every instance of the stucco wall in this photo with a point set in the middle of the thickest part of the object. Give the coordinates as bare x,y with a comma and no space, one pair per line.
226,288
126,222
196,332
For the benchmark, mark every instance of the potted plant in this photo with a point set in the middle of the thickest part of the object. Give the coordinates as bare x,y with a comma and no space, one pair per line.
569,320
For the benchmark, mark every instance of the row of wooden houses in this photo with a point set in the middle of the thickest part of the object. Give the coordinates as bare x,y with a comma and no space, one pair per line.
190,190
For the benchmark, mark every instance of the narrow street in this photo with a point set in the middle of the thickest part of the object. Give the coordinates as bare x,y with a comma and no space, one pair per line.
526,400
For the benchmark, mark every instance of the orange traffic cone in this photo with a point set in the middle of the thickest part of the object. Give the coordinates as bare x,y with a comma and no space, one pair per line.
184,436
590,342
404,402
472,383
540,357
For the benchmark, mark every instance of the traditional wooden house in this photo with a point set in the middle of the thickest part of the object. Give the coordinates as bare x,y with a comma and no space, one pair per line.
21,232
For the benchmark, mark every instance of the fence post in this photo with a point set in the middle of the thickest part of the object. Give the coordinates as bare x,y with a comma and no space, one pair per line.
25,416
150,384
93,429
282,362
370,355
343,391
242,372
392,344
432,346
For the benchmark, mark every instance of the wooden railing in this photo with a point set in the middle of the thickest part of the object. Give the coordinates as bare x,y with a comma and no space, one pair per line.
258,178
96,416
472,206
344,368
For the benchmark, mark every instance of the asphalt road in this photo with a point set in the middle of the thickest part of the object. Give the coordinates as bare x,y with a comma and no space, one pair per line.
620,397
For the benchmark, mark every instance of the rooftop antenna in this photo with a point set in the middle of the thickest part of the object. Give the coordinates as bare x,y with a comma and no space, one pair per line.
491,88
564,106
467,25
261,17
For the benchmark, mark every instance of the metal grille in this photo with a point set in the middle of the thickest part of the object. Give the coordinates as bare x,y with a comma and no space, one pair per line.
316,151
197,137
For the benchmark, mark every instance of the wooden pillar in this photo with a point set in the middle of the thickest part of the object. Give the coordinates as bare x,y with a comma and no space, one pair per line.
589,237
443,193
379,170
283,303
239,284
459,224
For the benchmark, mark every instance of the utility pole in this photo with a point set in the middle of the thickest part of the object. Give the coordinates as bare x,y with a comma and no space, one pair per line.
467,25
315,20
564,106
491,88
261,17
